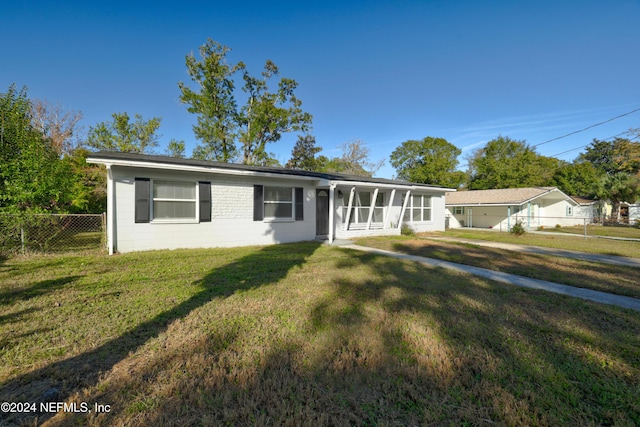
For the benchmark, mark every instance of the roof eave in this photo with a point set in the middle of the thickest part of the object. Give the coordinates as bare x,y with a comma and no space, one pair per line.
193,168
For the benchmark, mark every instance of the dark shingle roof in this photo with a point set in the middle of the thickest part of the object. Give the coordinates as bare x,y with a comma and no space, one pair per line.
118,156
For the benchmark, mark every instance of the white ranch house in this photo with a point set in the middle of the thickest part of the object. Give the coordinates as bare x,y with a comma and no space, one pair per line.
500,209
157,202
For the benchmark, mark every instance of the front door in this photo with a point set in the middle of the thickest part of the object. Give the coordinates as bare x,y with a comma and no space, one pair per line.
322,212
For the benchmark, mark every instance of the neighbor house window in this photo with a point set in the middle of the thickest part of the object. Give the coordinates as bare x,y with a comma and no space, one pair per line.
458,210
418,209
361,206
278,203
569,210
172,200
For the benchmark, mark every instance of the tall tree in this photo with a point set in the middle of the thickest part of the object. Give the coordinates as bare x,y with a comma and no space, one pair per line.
175,148
619,163
32,175
57,124
222,125
428,161
353,161
619,187
508,163
303,155
89,192
267,115
123,135
611,157
214,103
578,179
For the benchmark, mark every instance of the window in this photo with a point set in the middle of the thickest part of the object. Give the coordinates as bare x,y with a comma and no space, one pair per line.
458,210
278,203
361,206
418,209
569,210
172,200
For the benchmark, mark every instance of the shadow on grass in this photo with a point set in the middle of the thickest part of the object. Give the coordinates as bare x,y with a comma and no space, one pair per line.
40,288
17,316
516,356
387,342
262,267
583,273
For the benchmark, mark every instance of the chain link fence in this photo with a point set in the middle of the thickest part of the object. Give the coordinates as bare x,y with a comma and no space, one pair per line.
583,225
51,233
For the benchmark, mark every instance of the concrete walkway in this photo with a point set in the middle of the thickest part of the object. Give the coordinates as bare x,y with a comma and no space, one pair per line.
590,236
606,259
587,294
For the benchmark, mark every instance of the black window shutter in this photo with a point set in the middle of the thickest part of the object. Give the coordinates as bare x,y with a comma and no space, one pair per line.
258,202
143,200
299,204
204,190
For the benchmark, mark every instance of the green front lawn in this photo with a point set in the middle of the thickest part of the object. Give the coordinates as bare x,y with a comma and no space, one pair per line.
598,230
584,274
572,243
304,334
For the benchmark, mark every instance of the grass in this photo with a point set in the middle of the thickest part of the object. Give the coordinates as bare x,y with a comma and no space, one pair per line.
304,334
584,274
597,230
597,246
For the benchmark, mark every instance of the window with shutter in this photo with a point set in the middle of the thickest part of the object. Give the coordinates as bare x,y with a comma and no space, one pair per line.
174,200
278,203
142,188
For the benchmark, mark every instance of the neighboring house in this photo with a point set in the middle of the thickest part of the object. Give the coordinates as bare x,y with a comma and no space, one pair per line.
500,209
588,208
156,202
634,213
630,212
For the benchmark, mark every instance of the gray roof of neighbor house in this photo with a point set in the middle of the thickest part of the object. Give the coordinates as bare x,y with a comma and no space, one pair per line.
503,196
116,157
583,200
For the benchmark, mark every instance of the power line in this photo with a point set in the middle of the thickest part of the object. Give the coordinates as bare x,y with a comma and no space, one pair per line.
582,146
588,127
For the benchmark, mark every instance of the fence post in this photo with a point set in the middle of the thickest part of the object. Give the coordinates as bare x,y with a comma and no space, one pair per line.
104,229
585,228
22,239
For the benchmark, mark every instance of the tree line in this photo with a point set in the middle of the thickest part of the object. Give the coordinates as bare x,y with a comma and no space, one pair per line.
606,170
43,150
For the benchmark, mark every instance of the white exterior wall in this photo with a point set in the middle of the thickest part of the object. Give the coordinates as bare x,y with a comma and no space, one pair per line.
555,213
231,220
585,211
634,214
495,217
437,214
540,212
392,216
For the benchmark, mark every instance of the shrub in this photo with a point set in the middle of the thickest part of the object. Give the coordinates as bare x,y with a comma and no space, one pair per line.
517,229
558,226
406,230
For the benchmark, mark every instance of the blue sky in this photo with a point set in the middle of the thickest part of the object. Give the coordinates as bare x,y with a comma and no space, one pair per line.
380,71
